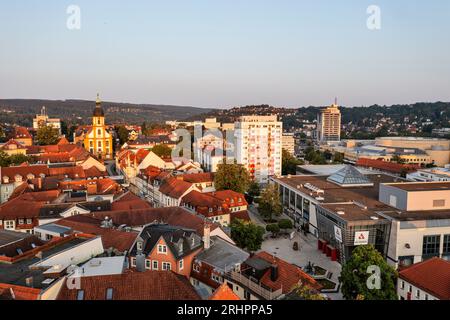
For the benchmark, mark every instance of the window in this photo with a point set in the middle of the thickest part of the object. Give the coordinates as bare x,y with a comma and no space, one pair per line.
99,132
216,278
21,221
147,264
10,225
196,268
139,245
418,294
166,266
80,295
133,262
439,203
155,265
181,264
431,246
109,294
426,296
29,221
162,248
446,250
402,285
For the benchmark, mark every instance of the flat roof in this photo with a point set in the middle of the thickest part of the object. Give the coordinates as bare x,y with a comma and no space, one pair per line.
8,237
103,266
333,193
422,186
18,272
352,200
351,212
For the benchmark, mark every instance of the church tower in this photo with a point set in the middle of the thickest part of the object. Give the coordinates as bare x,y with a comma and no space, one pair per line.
98,141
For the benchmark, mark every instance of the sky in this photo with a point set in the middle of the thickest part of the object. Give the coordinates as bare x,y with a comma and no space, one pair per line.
225,53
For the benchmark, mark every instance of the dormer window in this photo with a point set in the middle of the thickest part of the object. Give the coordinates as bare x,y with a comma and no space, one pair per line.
18,178
139,245
5,179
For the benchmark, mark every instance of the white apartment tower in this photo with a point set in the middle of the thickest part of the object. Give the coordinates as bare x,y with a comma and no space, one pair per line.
329,124
258,145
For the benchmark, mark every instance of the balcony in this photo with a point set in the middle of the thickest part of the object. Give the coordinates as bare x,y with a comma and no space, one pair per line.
254,285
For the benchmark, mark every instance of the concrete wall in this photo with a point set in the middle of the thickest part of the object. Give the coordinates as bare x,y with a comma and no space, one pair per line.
74,255
393,196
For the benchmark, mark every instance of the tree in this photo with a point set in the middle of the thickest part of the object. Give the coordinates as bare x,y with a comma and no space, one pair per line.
247,235
289,163
356,272
285,224
338,157
232,177
47,135
123,134
162,151
270,203
305,292
273,228
12,160
64,128
396,158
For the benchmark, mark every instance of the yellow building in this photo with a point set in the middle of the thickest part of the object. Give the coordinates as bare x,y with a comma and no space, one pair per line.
97,140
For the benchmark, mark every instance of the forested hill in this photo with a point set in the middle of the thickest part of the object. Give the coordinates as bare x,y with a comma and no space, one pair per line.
22,111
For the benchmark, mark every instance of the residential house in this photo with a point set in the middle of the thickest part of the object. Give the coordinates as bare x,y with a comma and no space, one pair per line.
165,247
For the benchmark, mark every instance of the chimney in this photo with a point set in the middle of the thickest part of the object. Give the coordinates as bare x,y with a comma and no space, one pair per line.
206,235
274,272
140,262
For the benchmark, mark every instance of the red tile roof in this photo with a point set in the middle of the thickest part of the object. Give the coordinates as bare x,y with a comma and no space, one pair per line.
242,215
432,276
111,238
21,132
174,188
288,275
175,216
24,171
231,198
198,177
129,201
13,292
386,165
224,293
150,285
27,205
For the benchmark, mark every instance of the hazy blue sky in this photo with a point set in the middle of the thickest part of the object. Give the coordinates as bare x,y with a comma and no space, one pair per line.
221,53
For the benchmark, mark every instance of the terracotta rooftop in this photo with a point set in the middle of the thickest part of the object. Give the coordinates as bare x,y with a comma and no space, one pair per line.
13,292
432,276
150,285
170,215
288,274
129,201
111,238
224,293
174,188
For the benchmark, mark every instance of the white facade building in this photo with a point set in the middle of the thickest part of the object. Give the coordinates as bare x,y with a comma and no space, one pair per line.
258,145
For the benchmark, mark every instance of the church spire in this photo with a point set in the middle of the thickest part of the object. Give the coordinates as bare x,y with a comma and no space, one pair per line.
98,111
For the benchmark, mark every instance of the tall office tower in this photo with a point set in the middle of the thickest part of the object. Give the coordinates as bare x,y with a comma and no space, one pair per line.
258,146
329,124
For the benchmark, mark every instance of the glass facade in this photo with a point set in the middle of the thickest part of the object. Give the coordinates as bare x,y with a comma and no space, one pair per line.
431,246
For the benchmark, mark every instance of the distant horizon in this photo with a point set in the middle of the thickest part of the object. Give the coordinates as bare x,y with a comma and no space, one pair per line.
223,108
